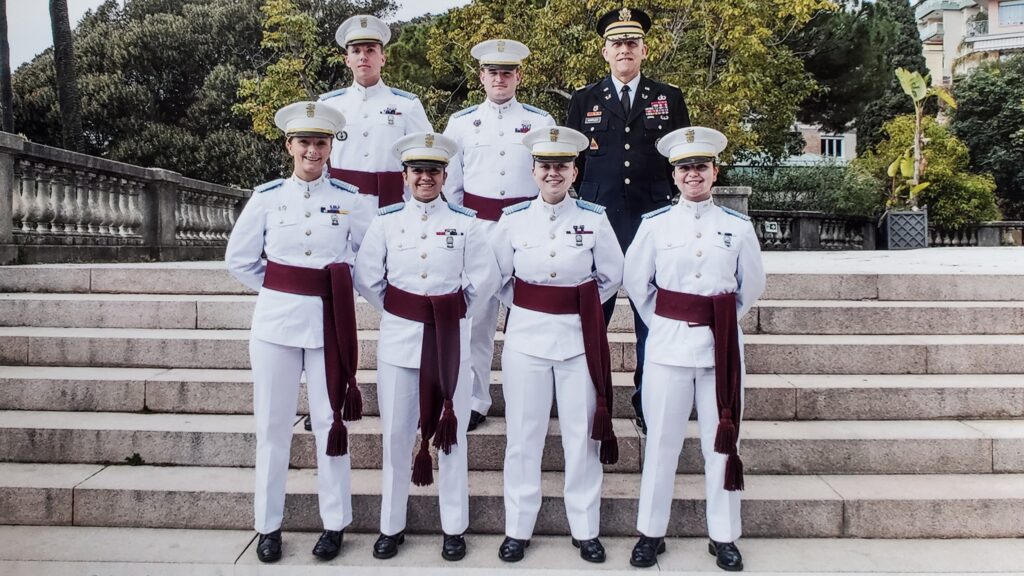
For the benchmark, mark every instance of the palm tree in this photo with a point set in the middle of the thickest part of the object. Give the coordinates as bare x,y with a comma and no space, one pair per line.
67,78
6,92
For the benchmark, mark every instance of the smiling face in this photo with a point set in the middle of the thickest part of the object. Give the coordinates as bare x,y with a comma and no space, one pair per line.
309,154
500,85
554,179
365,61
425,182
695,181
624,57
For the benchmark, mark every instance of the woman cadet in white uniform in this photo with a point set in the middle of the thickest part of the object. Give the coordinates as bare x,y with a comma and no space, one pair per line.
309,227
693,270
427,265
559,260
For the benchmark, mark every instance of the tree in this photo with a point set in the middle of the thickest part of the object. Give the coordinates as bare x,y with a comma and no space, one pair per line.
990,121
895,23
6,92
67,77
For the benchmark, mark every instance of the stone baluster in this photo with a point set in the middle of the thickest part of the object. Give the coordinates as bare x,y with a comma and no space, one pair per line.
123,210
43,212
137,216
103,216
182,218
117,215
58,194
82,208
92,208
24,197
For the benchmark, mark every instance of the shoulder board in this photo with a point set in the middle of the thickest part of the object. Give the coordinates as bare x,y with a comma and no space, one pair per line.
465,111
403,94
333,93
462,210
739,215
654,213
268,186
516,207
587,86
596,208
343,185
535,110
396,207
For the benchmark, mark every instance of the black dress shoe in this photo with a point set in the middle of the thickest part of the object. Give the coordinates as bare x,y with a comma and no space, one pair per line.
645,553
387,546
512,549
727,555
307,424
268,547
329,544
590,550
453,548
476,419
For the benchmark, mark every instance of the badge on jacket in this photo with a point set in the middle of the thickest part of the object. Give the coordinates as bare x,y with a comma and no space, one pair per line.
524,128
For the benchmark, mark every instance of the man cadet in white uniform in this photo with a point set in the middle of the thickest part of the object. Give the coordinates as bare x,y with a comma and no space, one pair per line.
377,115
490,172
427,265
310,228
559,260
693,270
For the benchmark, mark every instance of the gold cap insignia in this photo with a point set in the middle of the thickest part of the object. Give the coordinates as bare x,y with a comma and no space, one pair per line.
501,45
625,14
362,22
554,134
429,141
689,136
310,110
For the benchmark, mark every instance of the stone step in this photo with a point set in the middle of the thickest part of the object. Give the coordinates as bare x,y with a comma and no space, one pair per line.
75,550
859,506
765,353
880,317
833,447
768,396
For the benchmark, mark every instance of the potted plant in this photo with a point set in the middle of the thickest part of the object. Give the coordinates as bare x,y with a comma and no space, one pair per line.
905,224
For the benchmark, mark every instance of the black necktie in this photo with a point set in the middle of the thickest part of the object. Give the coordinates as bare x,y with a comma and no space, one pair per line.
625,100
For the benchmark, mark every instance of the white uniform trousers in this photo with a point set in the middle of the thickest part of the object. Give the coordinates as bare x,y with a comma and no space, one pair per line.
668,396
276,371
398,393
529,382
481,351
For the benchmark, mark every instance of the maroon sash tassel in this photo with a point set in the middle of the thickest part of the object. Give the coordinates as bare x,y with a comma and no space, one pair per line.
333,285
388,187
718,312
584,300
439,369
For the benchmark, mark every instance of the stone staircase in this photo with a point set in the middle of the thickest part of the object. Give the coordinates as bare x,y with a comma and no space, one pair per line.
879,405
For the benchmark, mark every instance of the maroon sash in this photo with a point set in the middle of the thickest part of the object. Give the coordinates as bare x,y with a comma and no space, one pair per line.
333,285
489,208
388,187
718,312
585,301
439,368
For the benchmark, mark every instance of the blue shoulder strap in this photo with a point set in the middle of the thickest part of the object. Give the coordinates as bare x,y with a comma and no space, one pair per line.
739,215
654,213
403,94
391,208
462,210
268,186
343,185
465,111
516,207
590,206
535,110
333,93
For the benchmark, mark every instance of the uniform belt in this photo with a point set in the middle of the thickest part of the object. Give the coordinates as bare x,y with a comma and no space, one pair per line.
489,208
718,312
333,285
388,187
584,300
439,368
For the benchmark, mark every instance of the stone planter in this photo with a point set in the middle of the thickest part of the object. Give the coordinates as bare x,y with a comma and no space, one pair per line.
904,229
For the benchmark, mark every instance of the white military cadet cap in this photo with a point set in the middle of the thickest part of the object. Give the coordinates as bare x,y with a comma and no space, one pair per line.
309,119
425,149
693,145
362,29
555,143
500,53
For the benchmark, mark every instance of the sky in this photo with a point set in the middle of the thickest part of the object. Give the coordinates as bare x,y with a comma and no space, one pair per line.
28,21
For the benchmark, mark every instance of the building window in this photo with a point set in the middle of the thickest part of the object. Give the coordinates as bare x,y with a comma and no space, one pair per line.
832,146
1011,13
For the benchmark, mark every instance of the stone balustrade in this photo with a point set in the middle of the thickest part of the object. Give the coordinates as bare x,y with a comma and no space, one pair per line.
807,230
1009,233
60,206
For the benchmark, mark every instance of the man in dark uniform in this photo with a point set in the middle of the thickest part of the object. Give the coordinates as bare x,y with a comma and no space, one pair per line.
624,115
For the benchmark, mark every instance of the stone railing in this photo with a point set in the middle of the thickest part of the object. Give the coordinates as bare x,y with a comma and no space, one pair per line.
804,230
60,206
984,234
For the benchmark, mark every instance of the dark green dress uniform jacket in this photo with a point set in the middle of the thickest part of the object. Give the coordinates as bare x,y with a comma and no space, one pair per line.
622,170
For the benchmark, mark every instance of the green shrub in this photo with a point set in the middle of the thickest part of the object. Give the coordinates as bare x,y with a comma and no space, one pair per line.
830,188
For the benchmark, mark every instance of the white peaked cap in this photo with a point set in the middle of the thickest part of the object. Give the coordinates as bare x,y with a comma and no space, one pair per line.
425,148
361,29
555,143
309,119
692,145
500,52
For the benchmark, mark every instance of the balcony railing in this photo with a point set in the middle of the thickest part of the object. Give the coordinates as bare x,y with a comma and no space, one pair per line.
932,31
977,28
925,9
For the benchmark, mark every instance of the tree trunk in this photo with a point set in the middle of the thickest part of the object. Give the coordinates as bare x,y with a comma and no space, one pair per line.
6,91
67,78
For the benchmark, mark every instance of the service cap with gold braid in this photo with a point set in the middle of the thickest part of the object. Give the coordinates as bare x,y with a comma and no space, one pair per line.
550,144
693,145
362,29
500,54
624,24
425,149
309,119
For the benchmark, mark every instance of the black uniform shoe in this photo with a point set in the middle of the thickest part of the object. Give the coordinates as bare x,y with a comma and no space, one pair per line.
454,548
307,424
387,546
642,425
329,544
476,419
268,547
590,550
645,553
513,550
727,555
